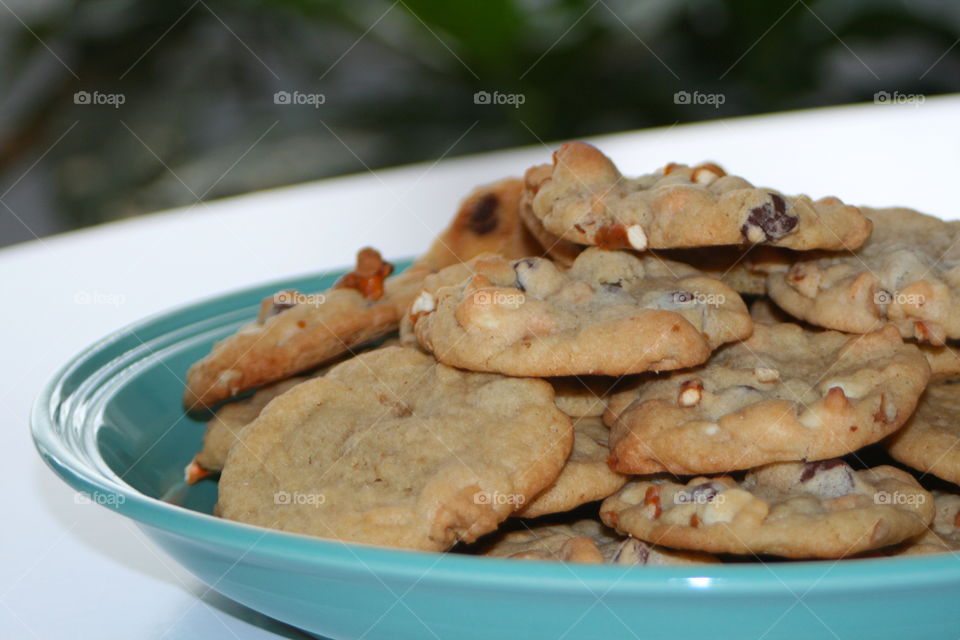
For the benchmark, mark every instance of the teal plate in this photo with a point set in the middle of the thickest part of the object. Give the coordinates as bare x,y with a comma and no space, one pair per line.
110,423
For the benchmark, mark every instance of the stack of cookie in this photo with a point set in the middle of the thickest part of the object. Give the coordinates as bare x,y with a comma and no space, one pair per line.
579,336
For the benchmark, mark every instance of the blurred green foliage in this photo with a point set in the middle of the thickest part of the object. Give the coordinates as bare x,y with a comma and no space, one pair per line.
199,119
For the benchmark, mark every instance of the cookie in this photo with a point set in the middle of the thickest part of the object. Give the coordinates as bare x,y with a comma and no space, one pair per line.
819,509
488,220
585,476
930,441
784,394
559,250
585,396
226,427
907,274
611,313
586,541
583,198
392,448
295,332
944,361
942,536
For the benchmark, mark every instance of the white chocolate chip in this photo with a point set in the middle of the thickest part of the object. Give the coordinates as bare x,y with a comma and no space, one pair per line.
424,303
766,374
636,237
725,506
690,393
712,429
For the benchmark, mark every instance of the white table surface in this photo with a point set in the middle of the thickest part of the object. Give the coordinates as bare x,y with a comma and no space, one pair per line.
78,570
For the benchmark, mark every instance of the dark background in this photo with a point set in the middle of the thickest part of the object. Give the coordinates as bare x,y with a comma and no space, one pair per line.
187,90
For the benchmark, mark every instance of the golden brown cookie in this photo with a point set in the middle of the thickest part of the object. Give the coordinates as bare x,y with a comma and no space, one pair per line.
819,509
930,440
393,448
783,394
611,313
583,198
907,274
585,477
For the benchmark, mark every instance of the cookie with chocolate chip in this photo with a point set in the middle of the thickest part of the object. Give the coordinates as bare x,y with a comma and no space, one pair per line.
585,541
584,199
610,313
295,332
821,509
930,440
784,394
585,476
907,274
393,448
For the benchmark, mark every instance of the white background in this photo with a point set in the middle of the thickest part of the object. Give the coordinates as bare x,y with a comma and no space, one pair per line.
74,570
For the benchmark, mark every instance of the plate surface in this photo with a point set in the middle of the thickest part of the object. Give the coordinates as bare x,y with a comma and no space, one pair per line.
111,425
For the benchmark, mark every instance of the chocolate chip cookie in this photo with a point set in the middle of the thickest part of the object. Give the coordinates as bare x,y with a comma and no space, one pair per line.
584,199
930,440
611,313
585,476
393,448
783,394
820,509
907,274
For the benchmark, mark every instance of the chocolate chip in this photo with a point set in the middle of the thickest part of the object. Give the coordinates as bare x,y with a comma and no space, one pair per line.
613,287
483,215
771,218
703,493
813,468
632,552
522,268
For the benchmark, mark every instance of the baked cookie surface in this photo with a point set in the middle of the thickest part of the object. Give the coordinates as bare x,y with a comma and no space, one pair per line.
784,394
930,440
907,274
585,476
611,313
820,509
393,448
584,199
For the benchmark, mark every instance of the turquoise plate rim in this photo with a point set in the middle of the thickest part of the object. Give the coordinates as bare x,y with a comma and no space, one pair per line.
76,462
